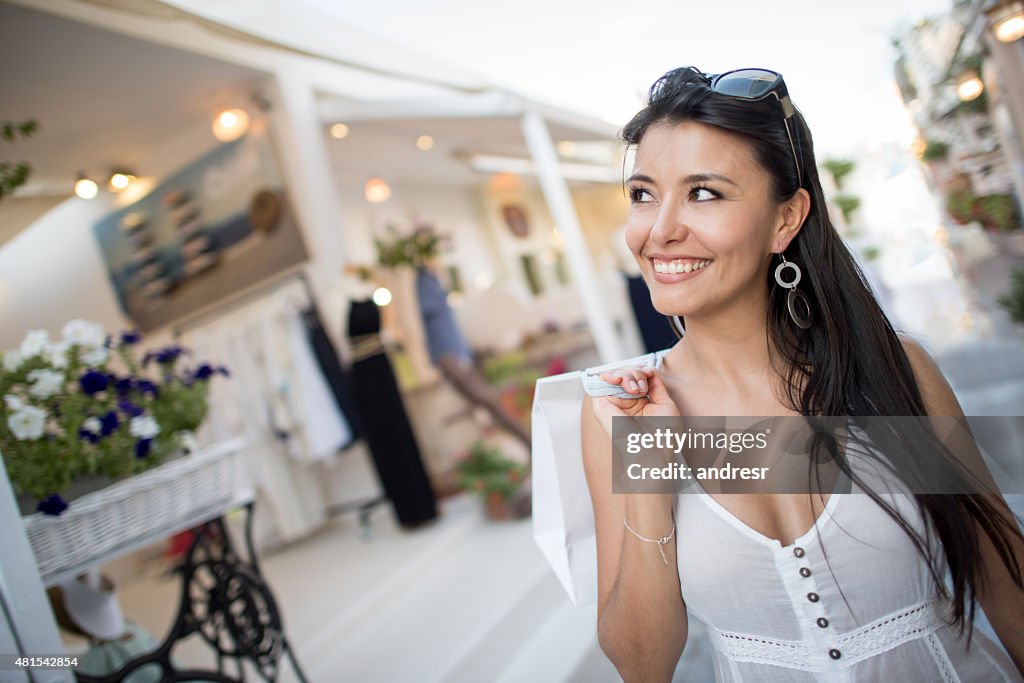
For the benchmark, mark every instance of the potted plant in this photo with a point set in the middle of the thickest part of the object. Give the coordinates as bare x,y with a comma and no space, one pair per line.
1013,300
395,250
492,476
89,407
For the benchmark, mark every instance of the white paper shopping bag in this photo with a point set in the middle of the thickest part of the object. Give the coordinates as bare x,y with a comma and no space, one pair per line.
563,516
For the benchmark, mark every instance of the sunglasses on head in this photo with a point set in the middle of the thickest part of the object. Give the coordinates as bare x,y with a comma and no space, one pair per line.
757,84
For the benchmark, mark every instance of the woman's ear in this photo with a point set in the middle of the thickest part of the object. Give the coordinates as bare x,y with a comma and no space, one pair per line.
792,215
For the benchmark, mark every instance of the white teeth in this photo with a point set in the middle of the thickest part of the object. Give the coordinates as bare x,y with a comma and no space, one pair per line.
675,267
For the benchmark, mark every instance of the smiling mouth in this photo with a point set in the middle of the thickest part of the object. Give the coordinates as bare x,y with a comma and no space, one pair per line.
679,265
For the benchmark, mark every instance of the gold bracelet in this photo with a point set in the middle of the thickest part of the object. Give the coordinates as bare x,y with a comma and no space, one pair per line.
660,541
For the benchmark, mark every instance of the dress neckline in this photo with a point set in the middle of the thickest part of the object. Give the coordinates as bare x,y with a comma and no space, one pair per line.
820,522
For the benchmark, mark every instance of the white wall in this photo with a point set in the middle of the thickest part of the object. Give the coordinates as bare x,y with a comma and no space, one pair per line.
483,251
53,272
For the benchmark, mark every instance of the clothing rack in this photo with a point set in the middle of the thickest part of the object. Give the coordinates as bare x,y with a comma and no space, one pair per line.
245,297
262,289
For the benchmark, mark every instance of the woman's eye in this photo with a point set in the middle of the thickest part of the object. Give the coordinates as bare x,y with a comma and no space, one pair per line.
638,195
702,194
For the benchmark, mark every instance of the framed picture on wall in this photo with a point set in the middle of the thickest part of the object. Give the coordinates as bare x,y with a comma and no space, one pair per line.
220,224
531,274
515,220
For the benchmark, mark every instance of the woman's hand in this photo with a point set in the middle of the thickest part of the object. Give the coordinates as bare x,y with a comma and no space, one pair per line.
652,398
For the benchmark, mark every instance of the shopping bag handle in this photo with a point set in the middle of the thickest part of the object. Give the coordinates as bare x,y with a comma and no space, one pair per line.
598,388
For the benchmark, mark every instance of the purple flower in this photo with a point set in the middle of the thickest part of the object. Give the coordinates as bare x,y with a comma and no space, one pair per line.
204,371
86,435
130,337
146,359
124,386
53,505
169,355
129,408
93,382
223,370
108,423
142,447
147,387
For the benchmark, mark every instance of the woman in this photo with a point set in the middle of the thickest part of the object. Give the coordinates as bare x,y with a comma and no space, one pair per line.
724,190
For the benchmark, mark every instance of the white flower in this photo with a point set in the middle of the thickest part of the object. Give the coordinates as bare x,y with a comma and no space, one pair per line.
144,427
92,424
187,440
84,333
27,424
35,343
13,402
57,354
46,383
12,360
94,356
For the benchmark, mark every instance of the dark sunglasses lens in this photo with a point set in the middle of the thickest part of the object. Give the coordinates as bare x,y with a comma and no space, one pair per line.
747,83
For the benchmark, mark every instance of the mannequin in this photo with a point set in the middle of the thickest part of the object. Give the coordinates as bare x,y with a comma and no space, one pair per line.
451,354
384,422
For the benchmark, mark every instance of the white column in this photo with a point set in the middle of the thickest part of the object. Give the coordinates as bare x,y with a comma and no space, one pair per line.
299,141
556,192
27,625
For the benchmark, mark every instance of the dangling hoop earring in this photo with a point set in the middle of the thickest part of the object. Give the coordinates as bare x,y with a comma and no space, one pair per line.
795,296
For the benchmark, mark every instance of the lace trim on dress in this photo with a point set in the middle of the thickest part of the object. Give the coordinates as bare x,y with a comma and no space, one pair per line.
949,675
873,639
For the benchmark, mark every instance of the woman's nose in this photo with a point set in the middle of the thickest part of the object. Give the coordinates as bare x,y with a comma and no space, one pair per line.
670,224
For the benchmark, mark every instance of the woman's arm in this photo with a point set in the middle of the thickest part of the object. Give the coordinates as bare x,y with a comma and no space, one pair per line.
1002,600
641,616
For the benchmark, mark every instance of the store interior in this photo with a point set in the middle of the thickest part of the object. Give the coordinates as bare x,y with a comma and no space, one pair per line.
346,154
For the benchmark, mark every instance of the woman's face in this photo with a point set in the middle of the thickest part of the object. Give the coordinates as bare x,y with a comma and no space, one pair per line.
702,219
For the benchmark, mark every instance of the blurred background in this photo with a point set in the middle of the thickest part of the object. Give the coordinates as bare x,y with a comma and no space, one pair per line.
327,248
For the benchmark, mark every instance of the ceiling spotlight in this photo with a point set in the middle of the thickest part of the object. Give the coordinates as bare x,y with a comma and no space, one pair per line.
339,131
969,86
424,142
376,190
85,188
382,296
119,180
1007,21
230,124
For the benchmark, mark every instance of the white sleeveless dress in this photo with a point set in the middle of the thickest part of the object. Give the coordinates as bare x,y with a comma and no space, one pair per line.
775,613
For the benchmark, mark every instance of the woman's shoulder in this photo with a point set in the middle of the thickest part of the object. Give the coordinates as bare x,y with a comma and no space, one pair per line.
938,396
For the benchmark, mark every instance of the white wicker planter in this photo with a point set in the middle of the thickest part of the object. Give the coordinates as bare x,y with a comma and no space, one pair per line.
121,514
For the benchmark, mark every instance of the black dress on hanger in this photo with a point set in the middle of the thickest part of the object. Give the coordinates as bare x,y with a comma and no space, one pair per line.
330,366
385,424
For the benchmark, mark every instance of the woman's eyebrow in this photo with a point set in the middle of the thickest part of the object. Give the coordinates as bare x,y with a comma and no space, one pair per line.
704,177
688,180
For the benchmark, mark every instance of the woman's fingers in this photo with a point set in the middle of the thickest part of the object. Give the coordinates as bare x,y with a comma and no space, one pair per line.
633,380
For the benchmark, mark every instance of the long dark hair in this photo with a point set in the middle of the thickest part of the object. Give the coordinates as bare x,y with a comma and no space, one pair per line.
850,362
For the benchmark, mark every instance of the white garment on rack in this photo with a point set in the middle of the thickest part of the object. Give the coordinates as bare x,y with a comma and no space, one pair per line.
775,613
323,428
290,494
